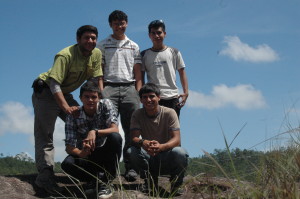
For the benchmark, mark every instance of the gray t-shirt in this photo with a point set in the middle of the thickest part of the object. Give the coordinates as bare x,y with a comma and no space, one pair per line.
155,128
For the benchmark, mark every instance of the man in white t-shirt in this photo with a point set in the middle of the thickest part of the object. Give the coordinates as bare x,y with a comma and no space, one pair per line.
121,62
161,62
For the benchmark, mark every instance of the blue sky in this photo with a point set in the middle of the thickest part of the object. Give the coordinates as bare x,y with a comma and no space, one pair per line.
242,60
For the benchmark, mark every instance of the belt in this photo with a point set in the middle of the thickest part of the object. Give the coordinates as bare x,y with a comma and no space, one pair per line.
118,84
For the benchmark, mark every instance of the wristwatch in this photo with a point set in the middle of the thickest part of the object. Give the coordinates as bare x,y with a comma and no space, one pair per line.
140,142
95,129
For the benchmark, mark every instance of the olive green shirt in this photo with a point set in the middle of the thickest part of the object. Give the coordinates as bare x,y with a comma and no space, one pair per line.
71,68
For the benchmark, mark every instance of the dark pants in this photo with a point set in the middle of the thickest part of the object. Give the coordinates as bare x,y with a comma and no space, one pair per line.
46,111
172,162
103,161
171,103
126,100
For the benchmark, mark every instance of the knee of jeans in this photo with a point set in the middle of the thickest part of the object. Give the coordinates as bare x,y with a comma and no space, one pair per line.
180,155
115,138
63,166
133,153
68,161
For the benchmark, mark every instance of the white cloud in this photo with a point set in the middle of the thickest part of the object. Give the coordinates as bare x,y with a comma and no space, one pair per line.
59,143
243,97
17,118
240,51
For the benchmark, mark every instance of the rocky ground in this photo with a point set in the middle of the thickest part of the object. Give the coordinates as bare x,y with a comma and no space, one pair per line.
23,187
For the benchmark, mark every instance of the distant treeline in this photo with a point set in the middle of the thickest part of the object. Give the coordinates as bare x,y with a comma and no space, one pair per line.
19,165
235,163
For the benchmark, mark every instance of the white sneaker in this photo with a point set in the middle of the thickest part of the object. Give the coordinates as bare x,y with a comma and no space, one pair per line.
105,191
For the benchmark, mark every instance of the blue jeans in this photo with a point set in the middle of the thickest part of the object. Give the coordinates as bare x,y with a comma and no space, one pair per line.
173,162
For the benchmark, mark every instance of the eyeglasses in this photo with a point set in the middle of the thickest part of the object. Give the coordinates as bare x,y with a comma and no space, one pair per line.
156,22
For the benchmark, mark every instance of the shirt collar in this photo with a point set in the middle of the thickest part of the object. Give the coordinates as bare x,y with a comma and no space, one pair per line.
80,53
153,116
123,40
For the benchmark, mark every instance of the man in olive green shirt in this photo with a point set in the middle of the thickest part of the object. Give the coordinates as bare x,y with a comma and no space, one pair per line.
52,97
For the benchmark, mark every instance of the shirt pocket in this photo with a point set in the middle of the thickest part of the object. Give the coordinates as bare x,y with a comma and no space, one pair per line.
75,73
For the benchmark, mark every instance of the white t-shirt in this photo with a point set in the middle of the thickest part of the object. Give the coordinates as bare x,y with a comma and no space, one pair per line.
161,67
119,57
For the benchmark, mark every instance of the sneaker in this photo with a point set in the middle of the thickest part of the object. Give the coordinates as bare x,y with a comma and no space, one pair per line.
144,188
104,191
45,180
90,189
130,175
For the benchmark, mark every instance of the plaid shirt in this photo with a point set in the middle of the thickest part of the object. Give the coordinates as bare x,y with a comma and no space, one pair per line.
76,129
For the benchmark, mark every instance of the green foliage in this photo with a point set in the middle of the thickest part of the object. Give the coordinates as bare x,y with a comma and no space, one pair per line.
243,160
280,174
122,167
245,164
275,173
20,164
15,166
249,165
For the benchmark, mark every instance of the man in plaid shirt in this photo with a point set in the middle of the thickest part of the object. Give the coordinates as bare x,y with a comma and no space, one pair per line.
93,142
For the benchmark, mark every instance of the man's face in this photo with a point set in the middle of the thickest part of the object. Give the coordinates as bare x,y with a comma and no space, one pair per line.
157,35
90,100
118,27
150,101
87,42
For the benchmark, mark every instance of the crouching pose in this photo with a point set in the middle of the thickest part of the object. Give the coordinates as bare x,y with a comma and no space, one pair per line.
93,142
156,150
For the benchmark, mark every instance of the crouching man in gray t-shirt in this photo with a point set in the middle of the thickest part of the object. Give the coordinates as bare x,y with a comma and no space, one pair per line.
156,150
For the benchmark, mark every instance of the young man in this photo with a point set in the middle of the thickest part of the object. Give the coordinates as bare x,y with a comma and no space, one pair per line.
160,63
155,134
122,76
93,142
52,97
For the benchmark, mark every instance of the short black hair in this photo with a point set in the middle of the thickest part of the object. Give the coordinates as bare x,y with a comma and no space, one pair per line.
157,24
149,88
117,15
86,28
90,86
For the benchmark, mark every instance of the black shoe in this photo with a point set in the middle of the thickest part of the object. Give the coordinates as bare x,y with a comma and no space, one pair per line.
45,180
150,187
130,175
90,189
144,188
